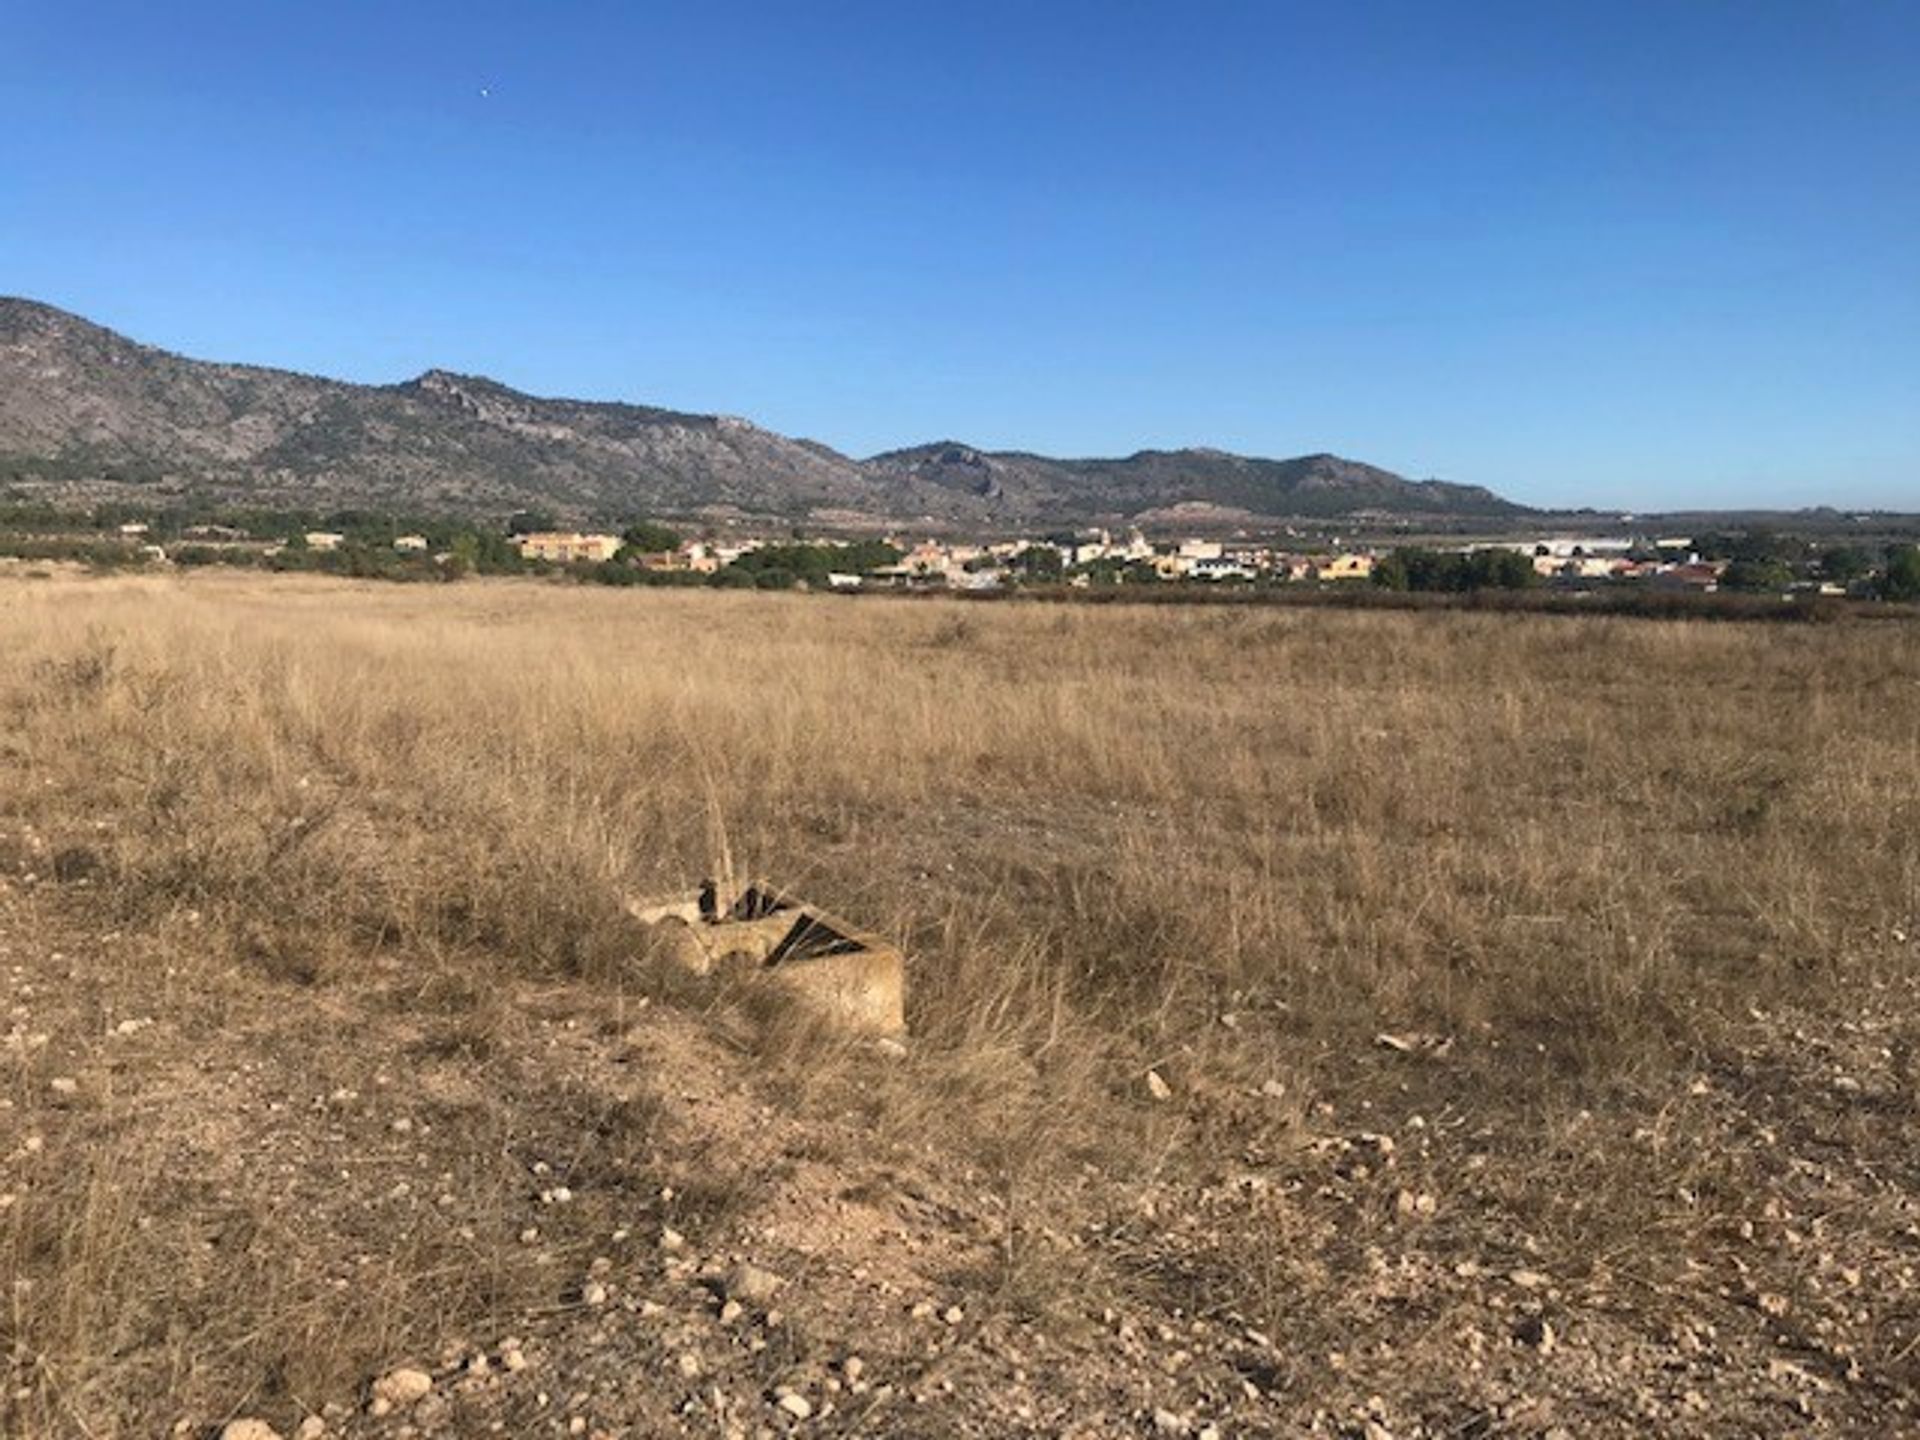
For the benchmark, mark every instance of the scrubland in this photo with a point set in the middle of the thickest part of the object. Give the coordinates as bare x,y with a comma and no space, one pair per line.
1446,1023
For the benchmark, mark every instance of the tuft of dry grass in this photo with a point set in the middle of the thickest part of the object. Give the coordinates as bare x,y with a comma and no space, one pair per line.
1232,845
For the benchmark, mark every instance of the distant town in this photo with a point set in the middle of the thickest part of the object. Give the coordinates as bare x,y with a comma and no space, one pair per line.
1752,561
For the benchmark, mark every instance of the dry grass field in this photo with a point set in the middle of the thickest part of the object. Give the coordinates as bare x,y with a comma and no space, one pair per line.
1528,1001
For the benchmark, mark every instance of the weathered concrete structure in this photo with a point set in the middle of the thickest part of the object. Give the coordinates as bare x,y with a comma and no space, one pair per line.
847,974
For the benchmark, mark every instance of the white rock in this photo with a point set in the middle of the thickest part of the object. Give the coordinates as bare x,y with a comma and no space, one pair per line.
1158,1087
751,1284
1166,1422
402,1387
593,1293
311,1428
248,1428
670,1238
795,1405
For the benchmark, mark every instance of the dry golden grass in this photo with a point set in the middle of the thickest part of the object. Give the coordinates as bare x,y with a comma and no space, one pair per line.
1585,849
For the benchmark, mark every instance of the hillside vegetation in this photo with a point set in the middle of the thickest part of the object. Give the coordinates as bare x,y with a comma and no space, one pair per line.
88,414
1343,1023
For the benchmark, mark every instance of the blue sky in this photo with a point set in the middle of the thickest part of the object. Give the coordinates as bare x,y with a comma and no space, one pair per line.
1615,253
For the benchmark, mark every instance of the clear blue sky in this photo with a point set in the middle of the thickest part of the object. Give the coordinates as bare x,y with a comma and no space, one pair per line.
1640,254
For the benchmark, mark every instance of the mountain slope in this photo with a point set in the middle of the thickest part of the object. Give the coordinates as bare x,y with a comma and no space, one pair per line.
1311,485
85,411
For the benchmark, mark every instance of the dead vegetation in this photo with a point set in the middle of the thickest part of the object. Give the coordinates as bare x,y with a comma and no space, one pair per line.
1526,1002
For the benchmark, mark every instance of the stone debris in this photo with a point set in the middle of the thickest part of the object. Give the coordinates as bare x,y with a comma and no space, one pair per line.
794,1403
400,1388
750,1284
840,972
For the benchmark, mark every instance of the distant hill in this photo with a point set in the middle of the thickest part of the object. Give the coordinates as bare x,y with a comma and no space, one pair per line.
1158,480
86,413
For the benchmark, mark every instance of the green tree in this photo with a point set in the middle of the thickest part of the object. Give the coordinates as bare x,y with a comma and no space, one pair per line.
1414,568
1040,563
1391,572
646,538
1902,580
1756,575
1845,563
463,556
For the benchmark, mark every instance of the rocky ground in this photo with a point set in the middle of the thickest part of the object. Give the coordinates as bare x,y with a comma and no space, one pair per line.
431,1203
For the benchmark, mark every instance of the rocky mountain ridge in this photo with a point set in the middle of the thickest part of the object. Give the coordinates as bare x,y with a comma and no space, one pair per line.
86,412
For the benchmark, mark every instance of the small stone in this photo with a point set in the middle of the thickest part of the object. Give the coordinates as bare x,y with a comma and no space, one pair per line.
689,1364
853,1367
730,1312
1157,1087
1168,1422
795,1404
1273,1090
953,1315
248,1428
311,1428
593,1293
401,1387
670,1238
64,1085
751,1284
577,1425
513,1358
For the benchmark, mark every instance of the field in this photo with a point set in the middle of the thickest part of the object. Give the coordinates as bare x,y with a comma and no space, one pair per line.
1367,1023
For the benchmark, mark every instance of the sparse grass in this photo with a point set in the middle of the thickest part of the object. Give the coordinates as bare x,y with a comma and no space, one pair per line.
1230,844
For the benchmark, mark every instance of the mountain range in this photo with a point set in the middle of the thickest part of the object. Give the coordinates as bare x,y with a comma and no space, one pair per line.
86,413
